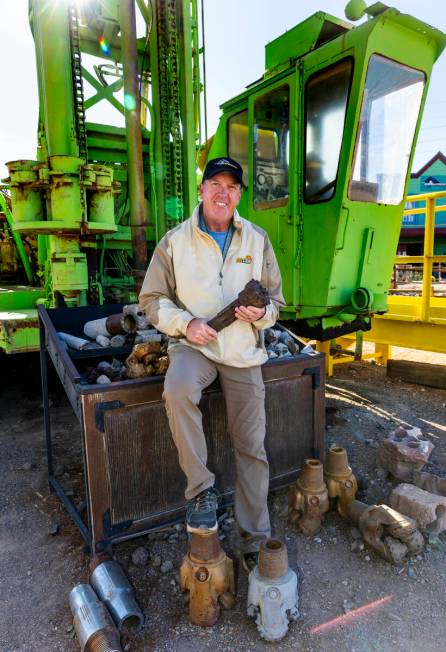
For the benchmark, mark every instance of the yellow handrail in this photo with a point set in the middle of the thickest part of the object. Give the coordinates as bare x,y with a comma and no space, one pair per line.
428,258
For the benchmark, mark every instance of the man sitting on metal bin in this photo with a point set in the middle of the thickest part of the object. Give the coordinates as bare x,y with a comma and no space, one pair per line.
197,269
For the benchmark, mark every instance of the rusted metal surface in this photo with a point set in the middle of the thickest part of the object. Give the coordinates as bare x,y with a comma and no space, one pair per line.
132,476
103,641
253,294
308,498
207,578
340,480
272,591
273,558
390,534
93,625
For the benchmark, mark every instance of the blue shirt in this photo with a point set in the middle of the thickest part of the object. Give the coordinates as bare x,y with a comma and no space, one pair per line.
222,238
219,237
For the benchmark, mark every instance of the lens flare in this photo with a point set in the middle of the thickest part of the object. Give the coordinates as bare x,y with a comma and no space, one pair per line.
129,102
351,616
105,46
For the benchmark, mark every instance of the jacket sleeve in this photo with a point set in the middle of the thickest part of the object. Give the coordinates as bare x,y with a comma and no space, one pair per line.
157,297
272,281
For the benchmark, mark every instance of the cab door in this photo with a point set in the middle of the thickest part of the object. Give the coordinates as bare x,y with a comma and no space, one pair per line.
271,189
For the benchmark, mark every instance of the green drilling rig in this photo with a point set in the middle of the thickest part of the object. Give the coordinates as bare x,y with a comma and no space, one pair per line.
326,138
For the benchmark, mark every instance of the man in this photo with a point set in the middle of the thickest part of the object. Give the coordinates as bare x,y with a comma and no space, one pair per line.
197,269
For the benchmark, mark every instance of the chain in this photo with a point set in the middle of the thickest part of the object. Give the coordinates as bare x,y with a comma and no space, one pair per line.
78,96
170,105
78,86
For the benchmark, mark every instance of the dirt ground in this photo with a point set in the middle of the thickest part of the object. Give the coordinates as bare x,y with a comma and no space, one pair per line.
349,601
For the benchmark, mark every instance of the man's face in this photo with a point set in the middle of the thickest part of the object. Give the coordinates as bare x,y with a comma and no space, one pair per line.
221,195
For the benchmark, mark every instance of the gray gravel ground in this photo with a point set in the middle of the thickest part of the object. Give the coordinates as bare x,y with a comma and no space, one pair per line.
349,601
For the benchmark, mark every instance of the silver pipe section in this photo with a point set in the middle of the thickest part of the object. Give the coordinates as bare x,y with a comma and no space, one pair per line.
93,625
113,588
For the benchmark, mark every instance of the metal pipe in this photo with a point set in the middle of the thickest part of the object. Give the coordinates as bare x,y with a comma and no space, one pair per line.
51,29
113,588
428,255
132,103
272,591
17,240
94,628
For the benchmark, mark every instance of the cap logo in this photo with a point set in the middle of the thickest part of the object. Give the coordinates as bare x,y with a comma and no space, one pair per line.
223,161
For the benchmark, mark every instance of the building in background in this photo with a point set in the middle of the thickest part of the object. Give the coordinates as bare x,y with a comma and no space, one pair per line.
430,178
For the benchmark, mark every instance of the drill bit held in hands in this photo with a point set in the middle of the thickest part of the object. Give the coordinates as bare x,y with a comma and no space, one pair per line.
253,294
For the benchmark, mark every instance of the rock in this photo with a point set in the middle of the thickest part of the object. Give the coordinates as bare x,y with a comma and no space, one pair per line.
435,542
140,556
104,366
411,572
404,452
429,510
69,629
103,340
103,380
357,545
173,538
27,466
54,529
166,566
332,531
179,527
118,340
367,558
156,561
347,605
317,540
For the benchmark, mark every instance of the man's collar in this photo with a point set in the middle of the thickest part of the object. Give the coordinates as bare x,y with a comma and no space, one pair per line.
198,219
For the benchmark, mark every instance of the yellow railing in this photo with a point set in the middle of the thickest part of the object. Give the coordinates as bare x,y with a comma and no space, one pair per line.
428,258
411,322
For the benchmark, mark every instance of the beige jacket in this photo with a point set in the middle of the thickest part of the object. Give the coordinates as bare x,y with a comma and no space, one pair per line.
188,278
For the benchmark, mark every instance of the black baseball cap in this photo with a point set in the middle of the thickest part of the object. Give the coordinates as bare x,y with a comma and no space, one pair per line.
223,164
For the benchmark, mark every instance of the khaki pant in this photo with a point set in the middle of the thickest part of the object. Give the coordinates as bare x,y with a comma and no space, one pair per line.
189,373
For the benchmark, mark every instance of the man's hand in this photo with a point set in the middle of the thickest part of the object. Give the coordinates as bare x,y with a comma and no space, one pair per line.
249,313
198,332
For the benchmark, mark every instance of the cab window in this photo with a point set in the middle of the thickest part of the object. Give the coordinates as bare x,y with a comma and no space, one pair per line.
389,113
326,105
238,141
271,149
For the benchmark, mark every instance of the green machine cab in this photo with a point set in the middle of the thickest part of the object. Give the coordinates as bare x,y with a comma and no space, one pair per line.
326,138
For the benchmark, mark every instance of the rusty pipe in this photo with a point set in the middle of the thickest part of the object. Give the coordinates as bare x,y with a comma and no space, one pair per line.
132,103
308,498
341,482
207,579
385,531
253,294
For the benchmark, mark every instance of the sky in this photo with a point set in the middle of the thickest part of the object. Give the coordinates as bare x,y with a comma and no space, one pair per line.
236,32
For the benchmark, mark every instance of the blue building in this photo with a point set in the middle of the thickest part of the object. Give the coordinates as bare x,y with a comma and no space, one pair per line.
430,178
